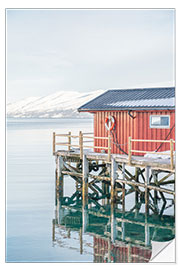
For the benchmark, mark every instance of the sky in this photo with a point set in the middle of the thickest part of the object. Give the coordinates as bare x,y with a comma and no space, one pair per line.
87,50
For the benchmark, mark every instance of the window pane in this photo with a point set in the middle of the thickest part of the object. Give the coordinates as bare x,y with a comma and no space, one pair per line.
155,120
164,121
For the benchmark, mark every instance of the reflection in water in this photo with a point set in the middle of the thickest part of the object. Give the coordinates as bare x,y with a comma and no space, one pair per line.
118,236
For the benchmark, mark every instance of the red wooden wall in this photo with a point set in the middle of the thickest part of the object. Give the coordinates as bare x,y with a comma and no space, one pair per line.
138,128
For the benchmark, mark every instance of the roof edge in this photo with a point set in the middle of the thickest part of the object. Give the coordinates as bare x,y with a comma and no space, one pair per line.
128,109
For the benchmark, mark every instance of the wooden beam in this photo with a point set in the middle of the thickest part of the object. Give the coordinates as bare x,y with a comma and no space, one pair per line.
132,183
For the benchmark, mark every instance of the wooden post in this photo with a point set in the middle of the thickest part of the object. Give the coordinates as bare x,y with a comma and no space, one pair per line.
57,175
123,230
129,150
85,181
113,225
69,233
171,152
147,232
109,249
146,190
69,141
137,180
155,177
53,229
85,216
114,168
129,253
123,186
54,143
104,192
81,144
81,241
61,177
109,148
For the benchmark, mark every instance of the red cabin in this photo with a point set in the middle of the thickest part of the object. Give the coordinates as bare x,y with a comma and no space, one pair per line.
147,113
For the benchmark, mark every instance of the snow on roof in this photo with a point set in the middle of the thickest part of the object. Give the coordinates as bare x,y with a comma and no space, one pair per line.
142,98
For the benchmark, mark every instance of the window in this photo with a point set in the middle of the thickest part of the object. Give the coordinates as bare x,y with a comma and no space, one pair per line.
159,121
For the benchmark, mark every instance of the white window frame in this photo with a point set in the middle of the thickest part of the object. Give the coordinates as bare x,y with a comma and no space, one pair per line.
159,115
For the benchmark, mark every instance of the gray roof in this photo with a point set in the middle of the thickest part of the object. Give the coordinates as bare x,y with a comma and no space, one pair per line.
132,99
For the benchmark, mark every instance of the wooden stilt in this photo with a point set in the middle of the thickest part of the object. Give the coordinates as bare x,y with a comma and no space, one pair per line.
53,229
146,190
81,144
155,178
104,192
57,173
123,230
123,188
109,249
129,253
113,224
61,177
81,240
114,168
137,180
147,232
85,181
85,218
69,233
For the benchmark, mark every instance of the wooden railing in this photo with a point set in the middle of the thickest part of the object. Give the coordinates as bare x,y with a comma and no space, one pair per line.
171,148
82,143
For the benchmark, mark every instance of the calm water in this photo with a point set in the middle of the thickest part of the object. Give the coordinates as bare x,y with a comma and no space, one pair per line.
31,209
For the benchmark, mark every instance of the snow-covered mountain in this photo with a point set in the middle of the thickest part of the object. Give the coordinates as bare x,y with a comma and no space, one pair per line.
61,104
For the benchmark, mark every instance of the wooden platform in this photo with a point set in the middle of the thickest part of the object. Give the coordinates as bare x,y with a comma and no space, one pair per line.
155,163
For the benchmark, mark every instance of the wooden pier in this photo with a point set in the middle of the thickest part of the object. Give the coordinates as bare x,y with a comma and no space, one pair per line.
111,177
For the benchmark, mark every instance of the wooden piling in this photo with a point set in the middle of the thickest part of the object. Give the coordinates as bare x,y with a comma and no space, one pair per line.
155,178
123,188
81,144
57,174
85,181
147,169
81,241
123,230
137,180
53,229
61,177
147,232
114,168
104,192
113,224
129,253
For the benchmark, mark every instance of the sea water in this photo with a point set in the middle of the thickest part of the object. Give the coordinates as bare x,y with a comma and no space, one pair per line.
30,198
30,189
